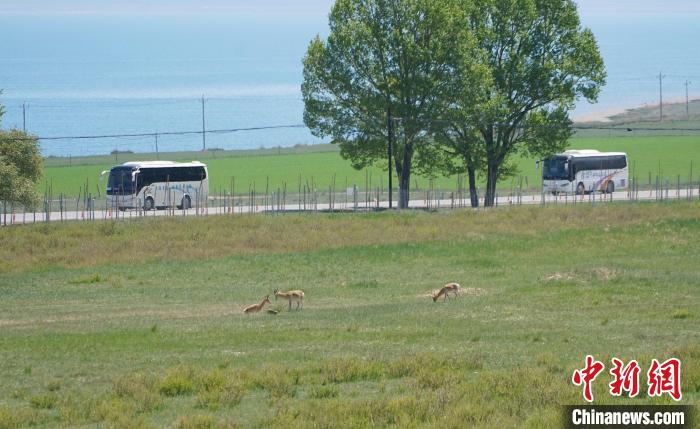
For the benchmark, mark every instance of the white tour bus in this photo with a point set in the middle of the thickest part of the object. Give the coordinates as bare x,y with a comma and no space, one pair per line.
583,171
157,184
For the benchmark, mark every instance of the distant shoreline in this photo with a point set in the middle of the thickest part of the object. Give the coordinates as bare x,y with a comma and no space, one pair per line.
674,109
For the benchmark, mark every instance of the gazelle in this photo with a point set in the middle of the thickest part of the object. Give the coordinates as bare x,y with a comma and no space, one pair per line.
292,295
445,291
257,307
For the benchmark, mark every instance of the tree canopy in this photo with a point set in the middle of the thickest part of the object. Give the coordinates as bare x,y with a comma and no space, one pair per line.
462,85
539,62
380,77
20,167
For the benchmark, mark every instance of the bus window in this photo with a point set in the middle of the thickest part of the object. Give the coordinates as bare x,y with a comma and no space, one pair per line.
120,181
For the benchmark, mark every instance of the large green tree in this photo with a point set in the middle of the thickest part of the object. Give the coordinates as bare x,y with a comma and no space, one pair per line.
20,167
377,81
538,62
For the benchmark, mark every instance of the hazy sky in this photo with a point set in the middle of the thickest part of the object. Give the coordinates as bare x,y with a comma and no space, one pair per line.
283,7
166,6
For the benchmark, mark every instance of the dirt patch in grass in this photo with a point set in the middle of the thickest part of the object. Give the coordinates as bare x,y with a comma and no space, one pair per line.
462,291
554,277
599,274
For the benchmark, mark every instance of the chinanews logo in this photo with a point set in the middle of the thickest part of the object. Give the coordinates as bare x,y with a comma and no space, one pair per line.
663,379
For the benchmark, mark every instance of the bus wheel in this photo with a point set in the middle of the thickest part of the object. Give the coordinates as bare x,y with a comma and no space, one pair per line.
580,189
186,203
610,188
148,204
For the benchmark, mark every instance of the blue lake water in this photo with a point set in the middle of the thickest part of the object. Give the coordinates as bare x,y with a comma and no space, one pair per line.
97,75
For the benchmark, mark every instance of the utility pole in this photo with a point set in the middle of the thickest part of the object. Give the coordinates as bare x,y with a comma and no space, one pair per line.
661,98
204,133
24,117
157,156
390,130
687,102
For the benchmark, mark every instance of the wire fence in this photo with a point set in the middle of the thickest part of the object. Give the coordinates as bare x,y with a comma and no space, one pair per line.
307,196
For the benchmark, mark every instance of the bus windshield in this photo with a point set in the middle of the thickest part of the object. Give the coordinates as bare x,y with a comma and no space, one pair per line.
556,168
120,181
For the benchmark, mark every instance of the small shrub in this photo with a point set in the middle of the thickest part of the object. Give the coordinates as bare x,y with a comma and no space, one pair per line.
12,418
434,378
178,381
94,278
20,393
217,389
43,401
212,380
108,229
280,382
9,420
201,421
228,397
681,314
53,385
141,388
324,392
112,409
349,369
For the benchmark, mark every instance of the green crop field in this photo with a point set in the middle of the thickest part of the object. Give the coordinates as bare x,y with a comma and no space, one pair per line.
140,324
321,164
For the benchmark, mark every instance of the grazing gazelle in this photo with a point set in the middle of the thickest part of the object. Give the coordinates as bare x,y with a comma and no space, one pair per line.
292,295
257,307
445,290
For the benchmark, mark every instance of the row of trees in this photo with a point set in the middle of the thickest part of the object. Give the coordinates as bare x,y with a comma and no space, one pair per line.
21,167
449,86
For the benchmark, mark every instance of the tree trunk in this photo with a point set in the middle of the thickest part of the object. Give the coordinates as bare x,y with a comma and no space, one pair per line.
390,151
405,176
491,179
473,194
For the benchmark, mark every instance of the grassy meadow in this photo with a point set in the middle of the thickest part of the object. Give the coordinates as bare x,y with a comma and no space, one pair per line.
322,163
139,323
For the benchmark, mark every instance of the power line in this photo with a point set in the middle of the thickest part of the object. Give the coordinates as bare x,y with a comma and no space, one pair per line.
136,136
166,133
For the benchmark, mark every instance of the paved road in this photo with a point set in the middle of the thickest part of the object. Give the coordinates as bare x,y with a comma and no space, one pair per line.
530,199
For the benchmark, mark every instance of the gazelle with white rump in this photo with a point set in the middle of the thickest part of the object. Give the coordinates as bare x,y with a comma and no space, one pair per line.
255,308
292,295
445,291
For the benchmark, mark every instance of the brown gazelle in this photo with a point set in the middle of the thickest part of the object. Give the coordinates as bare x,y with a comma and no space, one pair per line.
292,295
445,291
257,307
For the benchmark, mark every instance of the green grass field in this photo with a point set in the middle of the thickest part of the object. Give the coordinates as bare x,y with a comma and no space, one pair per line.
139,324
320,164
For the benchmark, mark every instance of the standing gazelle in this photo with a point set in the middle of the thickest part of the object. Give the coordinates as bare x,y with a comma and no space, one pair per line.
293,295
445,291
257,307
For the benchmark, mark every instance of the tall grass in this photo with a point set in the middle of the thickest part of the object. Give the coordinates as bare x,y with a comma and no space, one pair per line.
33,247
